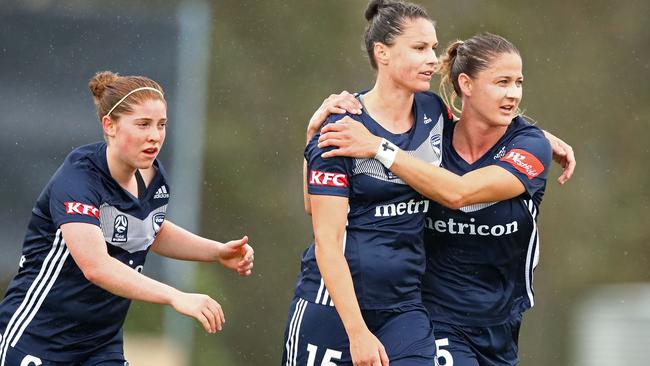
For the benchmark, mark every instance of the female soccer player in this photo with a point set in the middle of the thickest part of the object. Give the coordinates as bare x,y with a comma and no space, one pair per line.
358,299
89,234
481,231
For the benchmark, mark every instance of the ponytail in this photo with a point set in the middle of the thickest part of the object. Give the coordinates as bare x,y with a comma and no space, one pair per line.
445,69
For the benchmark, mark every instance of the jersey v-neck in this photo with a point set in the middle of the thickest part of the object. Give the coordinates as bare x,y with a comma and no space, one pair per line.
367,117
459,158
142,187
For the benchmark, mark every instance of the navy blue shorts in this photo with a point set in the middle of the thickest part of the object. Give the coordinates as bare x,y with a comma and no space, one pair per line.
15,357
458,345
315,335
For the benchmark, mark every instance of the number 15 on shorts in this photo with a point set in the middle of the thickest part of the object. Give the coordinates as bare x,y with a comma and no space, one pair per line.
330,355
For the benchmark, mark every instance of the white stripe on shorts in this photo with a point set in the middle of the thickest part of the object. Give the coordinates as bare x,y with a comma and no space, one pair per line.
294,332
35,295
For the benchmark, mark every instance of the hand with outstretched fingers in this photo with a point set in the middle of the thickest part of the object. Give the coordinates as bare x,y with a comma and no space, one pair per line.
351,138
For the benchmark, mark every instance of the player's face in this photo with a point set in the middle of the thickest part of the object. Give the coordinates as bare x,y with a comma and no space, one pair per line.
412,57
497,91
139,135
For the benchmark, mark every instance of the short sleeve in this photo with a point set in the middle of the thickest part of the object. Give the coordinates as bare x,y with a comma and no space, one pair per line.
74,197
329,177
528,157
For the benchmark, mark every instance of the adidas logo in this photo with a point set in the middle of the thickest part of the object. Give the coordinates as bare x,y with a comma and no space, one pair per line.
427,120
161,193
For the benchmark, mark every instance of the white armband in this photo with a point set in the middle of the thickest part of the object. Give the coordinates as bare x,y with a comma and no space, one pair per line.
386,153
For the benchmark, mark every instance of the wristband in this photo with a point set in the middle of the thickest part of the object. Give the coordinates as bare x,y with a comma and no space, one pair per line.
386,153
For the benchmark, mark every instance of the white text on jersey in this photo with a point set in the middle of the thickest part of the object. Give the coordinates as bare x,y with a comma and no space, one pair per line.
461,228
75,208
399,209
161,193
319,178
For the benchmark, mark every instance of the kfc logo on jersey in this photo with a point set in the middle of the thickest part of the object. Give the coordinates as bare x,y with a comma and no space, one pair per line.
76,208
524,162
317,178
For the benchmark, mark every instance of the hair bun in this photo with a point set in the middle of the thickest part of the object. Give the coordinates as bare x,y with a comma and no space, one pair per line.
98,83
373,9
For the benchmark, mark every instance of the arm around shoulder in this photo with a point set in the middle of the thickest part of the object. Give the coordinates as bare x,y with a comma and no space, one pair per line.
488,184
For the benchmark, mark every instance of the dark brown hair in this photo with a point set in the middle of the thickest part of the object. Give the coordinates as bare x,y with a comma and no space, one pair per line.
386,21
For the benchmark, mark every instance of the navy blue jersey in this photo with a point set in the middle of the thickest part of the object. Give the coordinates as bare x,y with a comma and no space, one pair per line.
480,259
51,310
383,237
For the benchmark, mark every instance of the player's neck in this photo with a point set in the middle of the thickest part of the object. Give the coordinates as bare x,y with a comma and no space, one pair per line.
473,137
122,172
390,106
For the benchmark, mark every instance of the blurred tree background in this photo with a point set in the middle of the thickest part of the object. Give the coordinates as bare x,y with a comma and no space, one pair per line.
587,68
